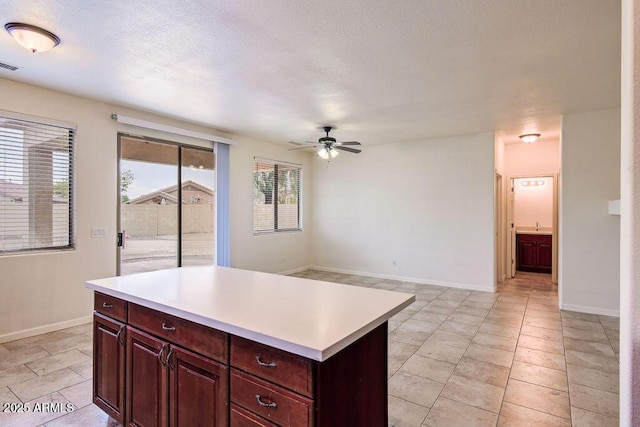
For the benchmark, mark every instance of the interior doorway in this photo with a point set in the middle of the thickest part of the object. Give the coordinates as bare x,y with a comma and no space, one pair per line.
166,209
533,224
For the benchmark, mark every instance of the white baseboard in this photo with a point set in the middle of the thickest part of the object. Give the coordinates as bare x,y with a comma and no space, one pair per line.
26,333
407,279
590,310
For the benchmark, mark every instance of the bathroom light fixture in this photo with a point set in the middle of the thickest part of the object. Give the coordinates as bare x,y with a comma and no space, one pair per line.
32,38
530,138
324,153
534,183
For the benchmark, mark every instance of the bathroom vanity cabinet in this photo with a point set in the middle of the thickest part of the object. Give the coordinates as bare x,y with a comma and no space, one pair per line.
534,252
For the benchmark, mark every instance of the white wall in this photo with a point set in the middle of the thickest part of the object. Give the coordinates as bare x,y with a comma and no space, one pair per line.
46,291
521,159
499,155
533,204
630,218
271,253
590,237
427,204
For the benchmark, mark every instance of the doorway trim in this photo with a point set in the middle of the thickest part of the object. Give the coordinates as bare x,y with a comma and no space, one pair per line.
554,214
501,257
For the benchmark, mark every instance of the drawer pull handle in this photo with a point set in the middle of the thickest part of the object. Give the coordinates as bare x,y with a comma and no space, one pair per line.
105,305
262,403
168,328
265,365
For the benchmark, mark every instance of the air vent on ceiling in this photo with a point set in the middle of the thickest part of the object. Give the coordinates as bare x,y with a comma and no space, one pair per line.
8,66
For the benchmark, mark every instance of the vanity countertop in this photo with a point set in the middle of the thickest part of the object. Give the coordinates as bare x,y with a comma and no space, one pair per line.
541,232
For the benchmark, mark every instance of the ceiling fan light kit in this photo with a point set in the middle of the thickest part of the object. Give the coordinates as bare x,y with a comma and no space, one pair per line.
329,146
325,154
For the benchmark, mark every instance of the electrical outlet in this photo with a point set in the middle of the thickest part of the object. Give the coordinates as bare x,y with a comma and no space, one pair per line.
282,260
98,232
394,263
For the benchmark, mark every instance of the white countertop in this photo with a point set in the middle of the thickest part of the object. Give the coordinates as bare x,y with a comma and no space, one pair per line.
307,317
534,232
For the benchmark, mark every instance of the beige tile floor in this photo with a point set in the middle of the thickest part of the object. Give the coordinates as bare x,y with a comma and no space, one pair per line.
511,358
456,357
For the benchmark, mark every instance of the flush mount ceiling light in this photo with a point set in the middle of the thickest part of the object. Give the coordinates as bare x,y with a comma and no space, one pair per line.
32,38
530,138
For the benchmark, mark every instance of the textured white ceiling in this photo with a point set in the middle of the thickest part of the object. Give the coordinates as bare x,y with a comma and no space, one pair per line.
380,71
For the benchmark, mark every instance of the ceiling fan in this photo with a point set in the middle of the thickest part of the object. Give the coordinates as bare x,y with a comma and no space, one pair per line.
329,146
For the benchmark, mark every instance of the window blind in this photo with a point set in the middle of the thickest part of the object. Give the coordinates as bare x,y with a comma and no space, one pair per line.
276,196
36,185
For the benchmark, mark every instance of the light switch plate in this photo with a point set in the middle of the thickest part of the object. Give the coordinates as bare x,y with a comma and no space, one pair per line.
98,232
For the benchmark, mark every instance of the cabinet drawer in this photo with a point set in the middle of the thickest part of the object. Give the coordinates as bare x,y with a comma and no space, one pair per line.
283,368
274,403
544,239
199,338
240,417
111,306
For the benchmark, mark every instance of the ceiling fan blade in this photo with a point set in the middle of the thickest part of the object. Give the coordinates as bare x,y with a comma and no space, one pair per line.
300,148
351,150
349,143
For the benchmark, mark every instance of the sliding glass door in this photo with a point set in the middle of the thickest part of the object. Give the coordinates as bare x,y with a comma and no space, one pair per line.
166,212
198,207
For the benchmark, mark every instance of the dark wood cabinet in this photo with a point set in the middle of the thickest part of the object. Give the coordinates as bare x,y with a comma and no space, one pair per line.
142,379
277,387
534,252
243,418
155,369
169,385
109,366
198,389
146,379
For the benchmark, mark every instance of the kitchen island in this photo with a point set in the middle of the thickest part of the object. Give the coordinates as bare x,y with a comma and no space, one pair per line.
221,346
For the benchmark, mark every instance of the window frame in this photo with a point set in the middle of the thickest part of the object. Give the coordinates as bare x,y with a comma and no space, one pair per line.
66,144
276,164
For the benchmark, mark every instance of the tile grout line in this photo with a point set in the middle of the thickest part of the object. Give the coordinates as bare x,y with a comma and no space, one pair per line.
454,369
504,396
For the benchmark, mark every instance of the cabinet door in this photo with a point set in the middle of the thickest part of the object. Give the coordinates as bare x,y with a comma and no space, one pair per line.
109,366
198,390
545,254
146,379
527,254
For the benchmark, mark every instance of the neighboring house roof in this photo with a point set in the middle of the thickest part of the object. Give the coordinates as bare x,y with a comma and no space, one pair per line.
12,190
19,192
168,193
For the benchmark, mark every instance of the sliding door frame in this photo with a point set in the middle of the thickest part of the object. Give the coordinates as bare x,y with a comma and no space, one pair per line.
179,146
